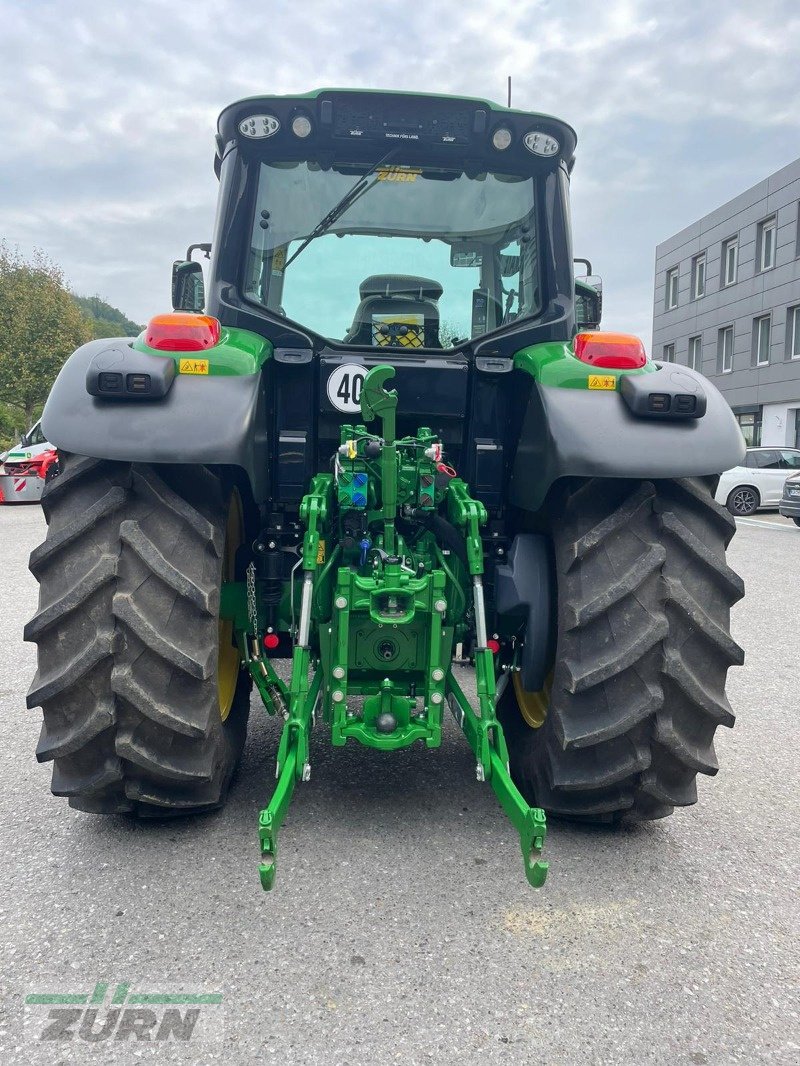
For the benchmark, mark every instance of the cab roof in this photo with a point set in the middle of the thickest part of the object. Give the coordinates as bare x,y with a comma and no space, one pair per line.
356,123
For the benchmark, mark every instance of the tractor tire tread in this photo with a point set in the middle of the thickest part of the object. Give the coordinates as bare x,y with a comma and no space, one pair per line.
643,650
127,633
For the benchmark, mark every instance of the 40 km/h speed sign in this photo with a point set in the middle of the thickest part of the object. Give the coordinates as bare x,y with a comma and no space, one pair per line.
344,387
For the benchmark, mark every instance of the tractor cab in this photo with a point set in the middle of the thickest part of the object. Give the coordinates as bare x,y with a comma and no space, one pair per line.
358,226
440,222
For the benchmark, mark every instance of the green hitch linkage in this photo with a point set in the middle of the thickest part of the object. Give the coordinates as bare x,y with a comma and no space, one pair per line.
529,821
292,762
485,734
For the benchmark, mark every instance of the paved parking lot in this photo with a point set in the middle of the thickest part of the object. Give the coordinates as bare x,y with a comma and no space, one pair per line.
402,929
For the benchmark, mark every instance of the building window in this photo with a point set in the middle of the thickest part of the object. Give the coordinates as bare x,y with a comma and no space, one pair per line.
793,332
761,339
725,350
672,289
669,352
699,276
765,244
695,352
750,424
730,261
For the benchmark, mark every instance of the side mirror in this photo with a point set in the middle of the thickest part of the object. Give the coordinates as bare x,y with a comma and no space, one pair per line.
509,265
588,302
188,290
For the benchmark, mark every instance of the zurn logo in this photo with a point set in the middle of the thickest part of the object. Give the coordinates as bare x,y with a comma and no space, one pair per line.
118,1013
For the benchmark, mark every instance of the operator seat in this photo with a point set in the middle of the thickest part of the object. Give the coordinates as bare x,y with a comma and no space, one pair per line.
397,311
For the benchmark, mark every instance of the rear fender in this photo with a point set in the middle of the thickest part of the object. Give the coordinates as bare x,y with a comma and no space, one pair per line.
577,432
210,419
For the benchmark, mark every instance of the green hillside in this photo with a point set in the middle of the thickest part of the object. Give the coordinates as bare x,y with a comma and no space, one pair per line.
105,320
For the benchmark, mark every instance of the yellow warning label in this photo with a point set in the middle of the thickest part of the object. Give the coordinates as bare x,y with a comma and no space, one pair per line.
602,381
193,366
279,259
321,552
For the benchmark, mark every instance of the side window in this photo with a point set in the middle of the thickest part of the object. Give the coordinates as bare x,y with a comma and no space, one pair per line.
768,459
36,436
790,459
750,460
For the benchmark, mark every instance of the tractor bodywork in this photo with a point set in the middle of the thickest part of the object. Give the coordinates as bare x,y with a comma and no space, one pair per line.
398,459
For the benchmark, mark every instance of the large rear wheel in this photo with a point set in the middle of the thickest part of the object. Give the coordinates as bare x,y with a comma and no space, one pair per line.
643,648
145,708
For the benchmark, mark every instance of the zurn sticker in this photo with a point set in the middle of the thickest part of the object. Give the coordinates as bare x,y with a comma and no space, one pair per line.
345,385
602,381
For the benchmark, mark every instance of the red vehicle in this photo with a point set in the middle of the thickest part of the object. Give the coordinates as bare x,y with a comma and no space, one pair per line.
22,480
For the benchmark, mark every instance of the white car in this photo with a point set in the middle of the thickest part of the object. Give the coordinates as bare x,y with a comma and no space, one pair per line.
758,482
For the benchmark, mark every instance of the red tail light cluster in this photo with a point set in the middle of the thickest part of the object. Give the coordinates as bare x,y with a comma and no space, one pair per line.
617,351
182,332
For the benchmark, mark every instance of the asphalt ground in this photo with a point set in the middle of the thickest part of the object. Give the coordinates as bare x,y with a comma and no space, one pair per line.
401,928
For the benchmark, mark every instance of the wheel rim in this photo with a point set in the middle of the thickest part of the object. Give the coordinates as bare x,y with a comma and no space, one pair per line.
228,654
533,706
744,501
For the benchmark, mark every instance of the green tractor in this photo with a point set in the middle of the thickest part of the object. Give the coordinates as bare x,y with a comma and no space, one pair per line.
389,438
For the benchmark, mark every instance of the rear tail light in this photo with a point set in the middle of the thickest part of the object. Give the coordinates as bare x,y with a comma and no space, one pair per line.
182,332
618,351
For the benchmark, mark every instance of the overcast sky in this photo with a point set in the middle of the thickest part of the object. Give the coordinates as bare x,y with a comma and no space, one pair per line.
108,113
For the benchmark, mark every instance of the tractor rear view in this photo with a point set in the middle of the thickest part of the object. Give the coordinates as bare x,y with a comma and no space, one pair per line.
388,437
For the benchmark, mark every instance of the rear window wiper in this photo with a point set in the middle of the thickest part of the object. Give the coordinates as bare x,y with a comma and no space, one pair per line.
362,186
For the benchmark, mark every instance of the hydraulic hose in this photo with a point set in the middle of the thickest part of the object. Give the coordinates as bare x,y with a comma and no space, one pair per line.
444,531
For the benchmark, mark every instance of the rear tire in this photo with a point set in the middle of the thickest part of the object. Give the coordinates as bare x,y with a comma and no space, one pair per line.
128,639
643,649
796,521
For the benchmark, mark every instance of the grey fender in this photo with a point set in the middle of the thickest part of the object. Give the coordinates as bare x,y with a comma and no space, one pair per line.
218,421
583,433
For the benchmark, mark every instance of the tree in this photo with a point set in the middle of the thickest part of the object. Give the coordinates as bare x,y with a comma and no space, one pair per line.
105,320
40,325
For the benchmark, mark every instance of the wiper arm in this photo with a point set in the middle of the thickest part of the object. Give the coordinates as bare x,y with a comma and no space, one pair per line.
362,186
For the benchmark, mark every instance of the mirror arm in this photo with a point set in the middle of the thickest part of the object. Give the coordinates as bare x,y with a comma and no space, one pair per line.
204,248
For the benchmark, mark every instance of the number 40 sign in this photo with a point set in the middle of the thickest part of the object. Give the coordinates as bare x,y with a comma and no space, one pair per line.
344,387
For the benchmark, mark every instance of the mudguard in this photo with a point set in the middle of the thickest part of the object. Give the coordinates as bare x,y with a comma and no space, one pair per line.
582,433
214,420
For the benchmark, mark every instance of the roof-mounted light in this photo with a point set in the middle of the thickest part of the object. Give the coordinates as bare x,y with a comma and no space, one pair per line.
540,143
501,138
181,331
617,351
259,126
301,125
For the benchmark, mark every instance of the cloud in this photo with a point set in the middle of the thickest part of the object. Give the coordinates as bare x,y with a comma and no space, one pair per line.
109,113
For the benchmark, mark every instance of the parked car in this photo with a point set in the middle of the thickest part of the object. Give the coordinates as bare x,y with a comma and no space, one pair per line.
790,503
758,482
26,467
